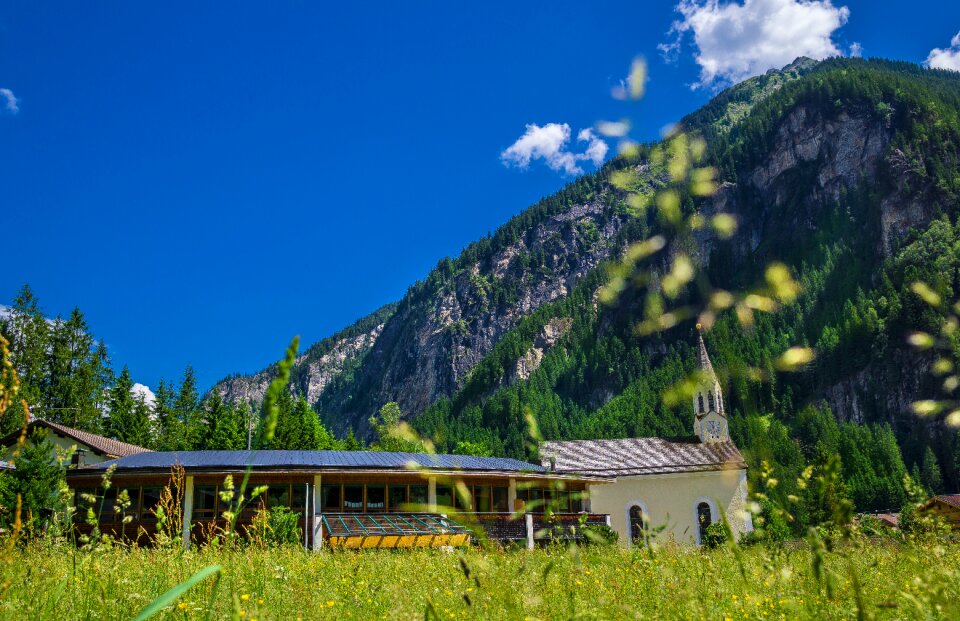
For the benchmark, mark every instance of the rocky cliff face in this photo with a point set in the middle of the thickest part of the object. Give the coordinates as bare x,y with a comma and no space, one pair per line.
424,347
425,351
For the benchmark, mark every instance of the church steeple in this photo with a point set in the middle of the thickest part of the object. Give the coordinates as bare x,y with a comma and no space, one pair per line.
709,417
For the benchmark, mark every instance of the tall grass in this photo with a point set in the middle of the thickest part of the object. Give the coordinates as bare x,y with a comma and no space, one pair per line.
881,579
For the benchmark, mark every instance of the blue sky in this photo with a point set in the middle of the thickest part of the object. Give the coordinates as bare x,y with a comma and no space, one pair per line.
205,181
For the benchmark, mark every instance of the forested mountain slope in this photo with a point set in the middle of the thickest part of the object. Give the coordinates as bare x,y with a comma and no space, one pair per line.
845,170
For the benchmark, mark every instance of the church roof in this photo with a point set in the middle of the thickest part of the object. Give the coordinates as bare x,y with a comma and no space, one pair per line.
638,456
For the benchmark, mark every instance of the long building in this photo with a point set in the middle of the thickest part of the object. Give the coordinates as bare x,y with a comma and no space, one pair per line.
676,487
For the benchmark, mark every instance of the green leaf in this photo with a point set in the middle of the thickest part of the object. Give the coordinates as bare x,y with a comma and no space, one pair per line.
168,598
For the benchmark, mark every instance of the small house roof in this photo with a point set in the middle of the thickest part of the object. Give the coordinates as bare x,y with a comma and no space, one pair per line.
952,500
277,460
99,444
639,456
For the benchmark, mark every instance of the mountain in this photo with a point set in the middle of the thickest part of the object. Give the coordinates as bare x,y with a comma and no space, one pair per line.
845,170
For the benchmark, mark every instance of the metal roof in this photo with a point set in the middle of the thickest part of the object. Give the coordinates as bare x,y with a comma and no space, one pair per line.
312,460
638,456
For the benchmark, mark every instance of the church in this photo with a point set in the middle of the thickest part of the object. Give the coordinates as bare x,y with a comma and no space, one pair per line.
675,487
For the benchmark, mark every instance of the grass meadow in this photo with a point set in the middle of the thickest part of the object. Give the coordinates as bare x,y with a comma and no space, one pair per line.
881,579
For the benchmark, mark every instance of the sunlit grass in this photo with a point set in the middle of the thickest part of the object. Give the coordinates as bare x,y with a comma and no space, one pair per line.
896,581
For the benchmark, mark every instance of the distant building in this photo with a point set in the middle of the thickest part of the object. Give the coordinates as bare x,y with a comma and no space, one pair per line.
945,507
88,448
683,484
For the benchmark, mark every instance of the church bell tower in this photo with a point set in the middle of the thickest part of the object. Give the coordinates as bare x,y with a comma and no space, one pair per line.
709,417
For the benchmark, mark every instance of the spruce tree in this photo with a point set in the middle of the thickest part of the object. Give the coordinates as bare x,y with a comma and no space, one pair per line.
122,403
29,334
169,428
38,477
140,428
77,374
187,409
288,434
226,429
930,472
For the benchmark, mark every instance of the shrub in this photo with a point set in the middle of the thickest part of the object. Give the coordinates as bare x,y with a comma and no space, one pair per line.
714,536
599,534
283,527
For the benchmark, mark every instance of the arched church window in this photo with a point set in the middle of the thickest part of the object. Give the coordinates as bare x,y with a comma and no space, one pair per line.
710,399
703,519
700,401
637,525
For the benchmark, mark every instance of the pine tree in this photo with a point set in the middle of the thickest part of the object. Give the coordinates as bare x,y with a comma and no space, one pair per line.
77,374
930,473
29,334
169,427
226,429
122,403
187,410
351,443
39,479
289,432
140,428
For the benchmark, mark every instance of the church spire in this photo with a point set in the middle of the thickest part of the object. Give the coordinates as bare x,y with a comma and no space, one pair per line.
709,418
705,365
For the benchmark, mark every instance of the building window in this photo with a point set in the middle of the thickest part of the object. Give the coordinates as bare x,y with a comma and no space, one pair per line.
700,401
500,499
330,498
710,399
204,502
637,524
444,497
418,496
704,519
376,498
353,497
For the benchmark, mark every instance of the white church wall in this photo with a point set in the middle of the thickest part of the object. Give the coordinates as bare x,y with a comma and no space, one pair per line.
671,500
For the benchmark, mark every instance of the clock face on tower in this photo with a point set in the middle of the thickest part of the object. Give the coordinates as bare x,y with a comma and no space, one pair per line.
713,428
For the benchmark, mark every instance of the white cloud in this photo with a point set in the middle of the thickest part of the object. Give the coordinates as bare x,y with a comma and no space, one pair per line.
948,58
596,148
139,390
856,50
550,143
9,101
735,41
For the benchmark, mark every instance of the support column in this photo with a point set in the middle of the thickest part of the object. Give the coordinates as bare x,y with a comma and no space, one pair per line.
432,494
317,514
187,510
512,496
529,531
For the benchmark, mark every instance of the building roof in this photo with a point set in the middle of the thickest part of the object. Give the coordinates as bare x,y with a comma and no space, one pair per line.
952,500
99,444
310,460
638,456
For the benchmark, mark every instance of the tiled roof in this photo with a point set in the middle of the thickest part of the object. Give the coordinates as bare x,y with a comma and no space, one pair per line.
100,444
308,460
636,456
948,499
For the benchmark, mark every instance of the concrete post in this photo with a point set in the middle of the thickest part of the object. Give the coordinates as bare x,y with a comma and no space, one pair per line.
529,531
512,496
432,493
317,513
187,510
